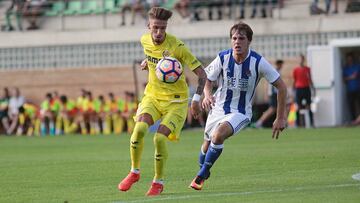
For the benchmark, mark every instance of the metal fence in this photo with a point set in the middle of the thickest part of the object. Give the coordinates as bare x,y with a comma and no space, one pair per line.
120,54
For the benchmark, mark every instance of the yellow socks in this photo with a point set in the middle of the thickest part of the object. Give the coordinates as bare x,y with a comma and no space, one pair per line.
137,144
161,154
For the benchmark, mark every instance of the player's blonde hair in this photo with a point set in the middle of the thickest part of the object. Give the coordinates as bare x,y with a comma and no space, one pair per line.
159,13
239,27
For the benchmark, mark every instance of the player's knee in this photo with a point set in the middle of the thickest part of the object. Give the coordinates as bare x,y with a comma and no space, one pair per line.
139,131
164,130
217,140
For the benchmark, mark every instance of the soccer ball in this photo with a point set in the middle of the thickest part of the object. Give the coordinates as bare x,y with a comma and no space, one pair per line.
168,70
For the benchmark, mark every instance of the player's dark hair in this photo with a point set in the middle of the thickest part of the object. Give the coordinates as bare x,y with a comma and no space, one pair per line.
159,13
63,99
279,62
48,95
239,27
21,109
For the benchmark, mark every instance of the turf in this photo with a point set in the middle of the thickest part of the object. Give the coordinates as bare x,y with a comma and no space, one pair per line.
313,165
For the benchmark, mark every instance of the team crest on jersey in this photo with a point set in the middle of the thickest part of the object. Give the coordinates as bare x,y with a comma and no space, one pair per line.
166,53
248,73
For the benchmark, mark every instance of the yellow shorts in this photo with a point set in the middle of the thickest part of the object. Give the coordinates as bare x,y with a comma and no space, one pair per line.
172,114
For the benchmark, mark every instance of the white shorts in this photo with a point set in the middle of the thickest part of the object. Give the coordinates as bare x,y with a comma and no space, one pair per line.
236,120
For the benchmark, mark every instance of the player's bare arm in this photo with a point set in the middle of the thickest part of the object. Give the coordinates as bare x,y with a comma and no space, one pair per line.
195,105
280,121
144,65
209,99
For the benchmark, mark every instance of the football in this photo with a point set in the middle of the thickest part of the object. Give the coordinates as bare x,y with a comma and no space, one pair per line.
168,70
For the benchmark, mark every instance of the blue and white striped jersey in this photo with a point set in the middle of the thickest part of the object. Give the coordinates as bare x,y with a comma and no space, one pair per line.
237,82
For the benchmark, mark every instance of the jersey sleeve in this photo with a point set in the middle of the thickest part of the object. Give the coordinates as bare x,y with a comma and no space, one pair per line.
268,71
186,57
213,69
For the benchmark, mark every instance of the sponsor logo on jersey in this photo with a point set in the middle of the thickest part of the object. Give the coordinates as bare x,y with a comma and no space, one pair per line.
238,83
152,59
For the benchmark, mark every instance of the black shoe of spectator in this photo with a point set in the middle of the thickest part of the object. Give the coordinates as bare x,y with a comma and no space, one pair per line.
263,12
7,28
253,15
32,27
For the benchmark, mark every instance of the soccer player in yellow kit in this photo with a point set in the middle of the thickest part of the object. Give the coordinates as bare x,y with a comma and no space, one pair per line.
161,100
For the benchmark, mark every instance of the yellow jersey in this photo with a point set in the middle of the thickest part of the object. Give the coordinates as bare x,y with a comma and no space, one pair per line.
173,47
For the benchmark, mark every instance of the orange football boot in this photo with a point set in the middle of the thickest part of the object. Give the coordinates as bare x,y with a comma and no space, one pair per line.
155,189
197,183
127,182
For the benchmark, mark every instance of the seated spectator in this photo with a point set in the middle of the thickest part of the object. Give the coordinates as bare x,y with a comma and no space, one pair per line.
16,101
242,9
195,6
336,3
4,107
255,3
47,116
129,110
32,10
135,6
182,7
352,6
15,8
218,5
315,9
154,3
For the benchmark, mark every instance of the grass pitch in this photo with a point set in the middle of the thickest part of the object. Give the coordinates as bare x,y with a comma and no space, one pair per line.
313,165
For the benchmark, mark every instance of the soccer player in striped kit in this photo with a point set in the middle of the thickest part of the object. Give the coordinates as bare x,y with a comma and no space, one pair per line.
237,72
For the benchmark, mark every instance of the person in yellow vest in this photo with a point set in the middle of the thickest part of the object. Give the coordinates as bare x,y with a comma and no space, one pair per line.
113,117
55,109
29,121
129,110
78,118
101,110
89,115
107,126
47,116
67,113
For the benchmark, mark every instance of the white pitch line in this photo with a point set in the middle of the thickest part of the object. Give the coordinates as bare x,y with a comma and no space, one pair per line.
152,199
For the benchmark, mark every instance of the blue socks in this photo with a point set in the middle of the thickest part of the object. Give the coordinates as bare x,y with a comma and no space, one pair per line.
211,156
